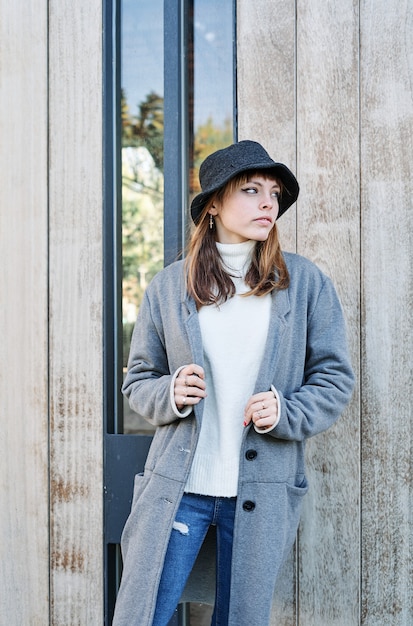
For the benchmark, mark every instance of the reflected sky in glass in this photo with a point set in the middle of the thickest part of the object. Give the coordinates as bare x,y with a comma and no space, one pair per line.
142,55
213,76
142,49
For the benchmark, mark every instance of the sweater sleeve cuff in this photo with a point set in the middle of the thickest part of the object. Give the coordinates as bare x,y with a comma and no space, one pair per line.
263,431
175,409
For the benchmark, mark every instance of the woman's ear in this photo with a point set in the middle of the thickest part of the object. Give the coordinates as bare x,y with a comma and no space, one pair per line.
213,210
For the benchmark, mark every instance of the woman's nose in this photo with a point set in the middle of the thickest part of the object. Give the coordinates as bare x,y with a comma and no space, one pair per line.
267,202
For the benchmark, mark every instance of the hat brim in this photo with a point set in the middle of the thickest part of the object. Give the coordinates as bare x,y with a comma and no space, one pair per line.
281,171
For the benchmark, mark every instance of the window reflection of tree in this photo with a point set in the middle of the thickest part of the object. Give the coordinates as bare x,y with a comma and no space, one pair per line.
142,183
142,194
142,203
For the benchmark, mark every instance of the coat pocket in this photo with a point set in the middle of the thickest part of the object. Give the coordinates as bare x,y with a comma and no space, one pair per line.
138,487
300,486
294,496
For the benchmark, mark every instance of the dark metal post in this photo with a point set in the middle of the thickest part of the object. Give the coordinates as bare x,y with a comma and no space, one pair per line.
175,127
112,263
175,152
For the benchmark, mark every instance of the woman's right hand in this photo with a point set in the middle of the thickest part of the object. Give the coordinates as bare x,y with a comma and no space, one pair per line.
189,386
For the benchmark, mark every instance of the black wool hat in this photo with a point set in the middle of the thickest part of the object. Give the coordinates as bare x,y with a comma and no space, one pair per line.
222,165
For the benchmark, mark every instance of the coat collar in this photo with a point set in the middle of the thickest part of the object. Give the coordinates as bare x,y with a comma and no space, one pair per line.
193,329
280,307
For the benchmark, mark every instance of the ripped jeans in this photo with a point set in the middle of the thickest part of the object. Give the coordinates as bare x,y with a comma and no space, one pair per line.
195,514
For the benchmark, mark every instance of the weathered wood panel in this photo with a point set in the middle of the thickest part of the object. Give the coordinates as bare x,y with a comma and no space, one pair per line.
266,86
24,550
266,113
328,233
308,101
76,349
23,316
387,339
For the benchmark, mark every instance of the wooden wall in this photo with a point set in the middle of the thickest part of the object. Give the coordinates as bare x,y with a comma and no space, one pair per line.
24,510
327,88
51,529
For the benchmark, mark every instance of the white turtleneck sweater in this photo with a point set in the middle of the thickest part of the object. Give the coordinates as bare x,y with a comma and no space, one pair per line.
234,337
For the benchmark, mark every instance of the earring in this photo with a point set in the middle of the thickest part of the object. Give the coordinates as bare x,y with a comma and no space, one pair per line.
211,222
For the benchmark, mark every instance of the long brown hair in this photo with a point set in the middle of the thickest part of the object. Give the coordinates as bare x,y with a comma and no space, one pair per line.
207,280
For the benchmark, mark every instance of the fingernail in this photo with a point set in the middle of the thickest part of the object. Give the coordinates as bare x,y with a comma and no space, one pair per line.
245,423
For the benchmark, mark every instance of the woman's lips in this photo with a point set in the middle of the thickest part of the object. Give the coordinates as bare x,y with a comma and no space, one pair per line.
265,221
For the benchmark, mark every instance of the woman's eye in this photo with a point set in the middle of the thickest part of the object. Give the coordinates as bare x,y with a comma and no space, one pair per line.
250,190
276,194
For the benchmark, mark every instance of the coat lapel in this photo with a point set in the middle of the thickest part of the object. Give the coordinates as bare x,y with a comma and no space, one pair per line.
280,307
193,332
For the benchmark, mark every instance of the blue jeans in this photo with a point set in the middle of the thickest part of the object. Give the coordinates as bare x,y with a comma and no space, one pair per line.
195,515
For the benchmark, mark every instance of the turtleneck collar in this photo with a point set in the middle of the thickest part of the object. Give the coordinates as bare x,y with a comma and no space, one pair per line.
236,256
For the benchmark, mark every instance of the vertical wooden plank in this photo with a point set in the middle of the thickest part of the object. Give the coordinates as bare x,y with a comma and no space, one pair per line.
24,547
266,86
387,340
266,113
328,233
76,312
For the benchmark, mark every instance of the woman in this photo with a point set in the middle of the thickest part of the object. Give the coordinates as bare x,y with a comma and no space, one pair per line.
238,356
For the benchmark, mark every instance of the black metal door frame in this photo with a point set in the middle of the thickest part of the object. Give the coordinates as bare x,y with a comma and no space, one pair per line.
125,455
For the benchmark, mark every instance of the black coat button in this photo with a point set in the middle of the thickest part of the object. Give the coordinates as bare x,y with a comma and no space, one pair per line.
250,455
248,505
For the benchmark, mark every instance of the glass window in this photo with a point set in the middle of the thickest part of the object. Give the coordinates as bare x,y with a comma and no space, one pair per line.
212,106
142,123
209,76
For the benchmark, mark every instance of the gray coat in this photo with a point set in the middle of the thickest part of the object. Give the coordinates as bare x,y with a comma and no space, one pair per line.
306,360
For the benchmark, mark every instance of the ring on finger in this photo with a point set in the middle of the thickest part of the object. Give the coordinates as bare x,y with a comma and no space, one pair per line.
263,405
184,400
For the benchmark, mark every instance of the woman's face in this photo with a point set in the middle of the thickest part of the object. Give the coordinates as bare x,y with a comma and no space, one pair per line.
248,212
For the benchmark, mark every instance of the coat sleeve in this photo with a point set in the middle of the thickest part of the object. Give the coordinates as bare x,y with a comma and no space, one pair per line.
148,380
328,376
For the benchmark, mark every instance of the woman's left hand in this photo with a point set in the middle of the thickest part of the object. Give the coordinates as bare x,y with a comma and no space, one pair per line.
262,410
